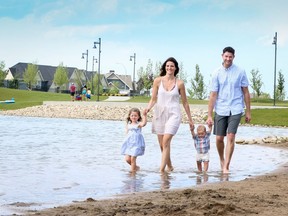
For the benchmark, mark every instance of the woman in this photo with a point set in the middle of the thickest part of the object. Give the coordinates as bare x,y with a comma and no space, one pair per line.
166,92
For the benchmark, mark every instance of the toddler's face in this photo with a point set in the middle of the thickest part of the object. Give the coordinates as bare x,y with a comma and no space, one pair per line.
201,134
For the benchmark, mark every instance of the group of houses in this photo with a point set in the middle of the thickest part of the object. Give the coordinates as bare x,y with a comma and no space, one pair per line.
45,79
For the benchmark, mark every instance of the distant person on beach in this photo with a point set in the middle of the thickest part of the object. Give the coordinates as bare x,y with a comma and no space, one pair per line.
166,94
202,146
229,91
84,91
88,94
72,91
134,144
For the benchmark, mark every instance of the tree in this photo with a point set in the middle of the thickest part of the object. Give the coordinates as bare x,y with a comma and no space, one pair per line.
146,77
30,75
280,92
157,69
182,74
198,88
256,82
95,85
61,76
2,73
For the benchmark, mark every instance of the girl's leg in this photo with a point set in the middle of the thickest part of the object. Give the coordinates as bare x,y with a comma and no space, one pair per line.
166,160
128,159
134,167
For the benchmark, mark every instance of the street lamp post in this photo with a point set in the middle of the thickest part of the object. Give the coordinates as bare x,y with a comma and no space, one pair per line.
86,63
93,60
95,47
133,57
275,43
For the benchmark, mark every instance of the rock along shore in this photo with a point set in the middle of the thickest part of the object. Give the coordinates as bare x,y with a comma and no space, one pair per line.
96,111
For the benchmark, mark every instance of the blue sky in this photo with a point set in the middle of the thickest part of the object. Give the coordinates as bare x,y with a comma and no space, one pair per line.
193,31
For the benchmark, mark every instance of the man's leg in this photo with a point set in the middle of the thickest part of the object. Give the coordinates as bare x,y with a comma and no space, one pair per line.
220,147
233,123
229,151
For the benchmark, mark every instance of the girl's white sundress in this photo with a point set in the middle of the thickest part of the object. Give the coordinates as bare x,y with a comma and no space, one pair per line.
167,112
133,144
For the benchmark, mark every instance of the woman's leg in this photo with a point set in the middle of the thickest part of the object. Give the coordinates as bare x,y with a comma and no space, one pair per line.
165,147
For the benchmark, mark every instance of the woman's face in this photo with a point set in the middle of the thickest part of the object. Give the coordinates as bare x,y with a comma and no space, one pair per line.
170,68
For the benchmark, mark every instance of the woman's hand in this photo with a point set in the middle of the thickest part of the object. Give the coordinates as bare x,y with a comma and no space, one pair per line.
191,124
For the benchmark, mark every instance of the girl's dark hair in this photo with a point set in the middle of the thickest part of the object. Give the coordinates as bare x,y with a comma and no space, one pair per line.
163,69
134,110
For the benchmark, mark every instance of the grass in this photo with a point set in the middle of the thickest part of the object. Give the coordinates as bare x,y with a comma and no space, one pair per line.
269,117
30,98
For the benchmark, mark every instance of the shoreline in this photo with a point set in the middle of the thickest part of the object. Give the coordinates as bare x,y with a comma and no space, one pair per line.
263,195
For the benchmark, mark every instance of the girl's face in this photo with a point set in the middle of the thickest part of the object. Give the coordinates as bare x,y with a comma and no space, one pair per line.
170,68
134,116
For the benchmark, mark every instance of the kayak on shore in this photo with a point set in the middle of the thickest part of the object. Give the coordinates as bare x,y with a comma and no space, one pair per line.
8,101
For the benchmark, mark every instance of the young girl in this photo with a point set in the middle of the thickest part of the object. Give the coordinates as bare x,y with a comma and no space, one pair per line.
134,144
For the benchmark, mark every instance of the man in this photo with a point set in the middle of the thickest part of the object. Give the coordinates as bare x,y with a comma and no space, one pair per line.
229,91
72,91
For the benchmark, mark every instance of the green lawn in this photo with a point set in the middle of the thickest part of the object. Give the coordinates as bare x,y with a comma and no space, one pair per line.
269,117
27,98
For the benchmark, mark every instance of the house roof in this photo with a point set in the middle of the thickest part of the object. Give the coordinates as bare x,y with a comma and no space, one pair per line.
47,72
124,78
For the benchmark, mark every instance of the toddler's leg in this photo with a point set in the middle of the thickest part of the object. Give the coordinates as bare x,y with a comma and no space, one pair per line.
199,166
206,165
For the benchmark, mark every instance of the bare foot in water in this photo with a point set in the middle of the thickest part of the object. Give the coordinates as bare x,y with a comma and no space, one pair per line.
225,171
136,169
170,169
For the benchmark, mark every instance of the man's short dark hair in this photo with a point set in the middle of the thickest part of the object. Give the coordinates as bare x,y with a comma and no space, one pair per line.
229,49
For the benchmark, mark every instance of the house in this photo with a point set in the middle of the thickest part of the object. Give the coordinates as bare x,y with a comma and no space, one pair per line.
122,82
45,76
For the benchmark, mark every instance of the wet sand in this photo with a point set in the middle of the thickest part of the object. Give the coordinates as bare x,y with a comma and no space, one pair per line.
263,195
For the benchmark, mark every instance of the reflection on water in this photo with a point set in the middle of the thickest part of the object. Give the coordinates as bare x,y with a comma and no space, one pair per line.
49,162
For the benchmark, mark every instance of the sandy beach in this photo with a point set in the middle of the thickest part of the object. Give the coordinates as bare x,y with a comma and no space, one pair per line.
263,195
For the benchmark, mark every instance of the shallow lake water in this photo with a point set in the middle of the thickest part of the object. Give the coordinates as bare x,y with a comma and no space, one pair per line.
48,162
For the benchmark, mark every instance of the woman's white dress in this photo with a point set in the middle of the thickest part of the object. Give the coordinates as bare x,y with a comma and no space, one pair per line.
167,113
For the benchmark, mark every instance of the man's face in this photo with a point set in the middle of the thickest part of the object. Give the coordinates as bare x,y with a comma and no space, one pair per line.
227,59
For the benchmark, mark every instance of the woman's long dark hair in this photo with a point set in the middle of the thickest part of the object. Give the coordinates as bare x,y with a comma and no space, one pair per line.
163,69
